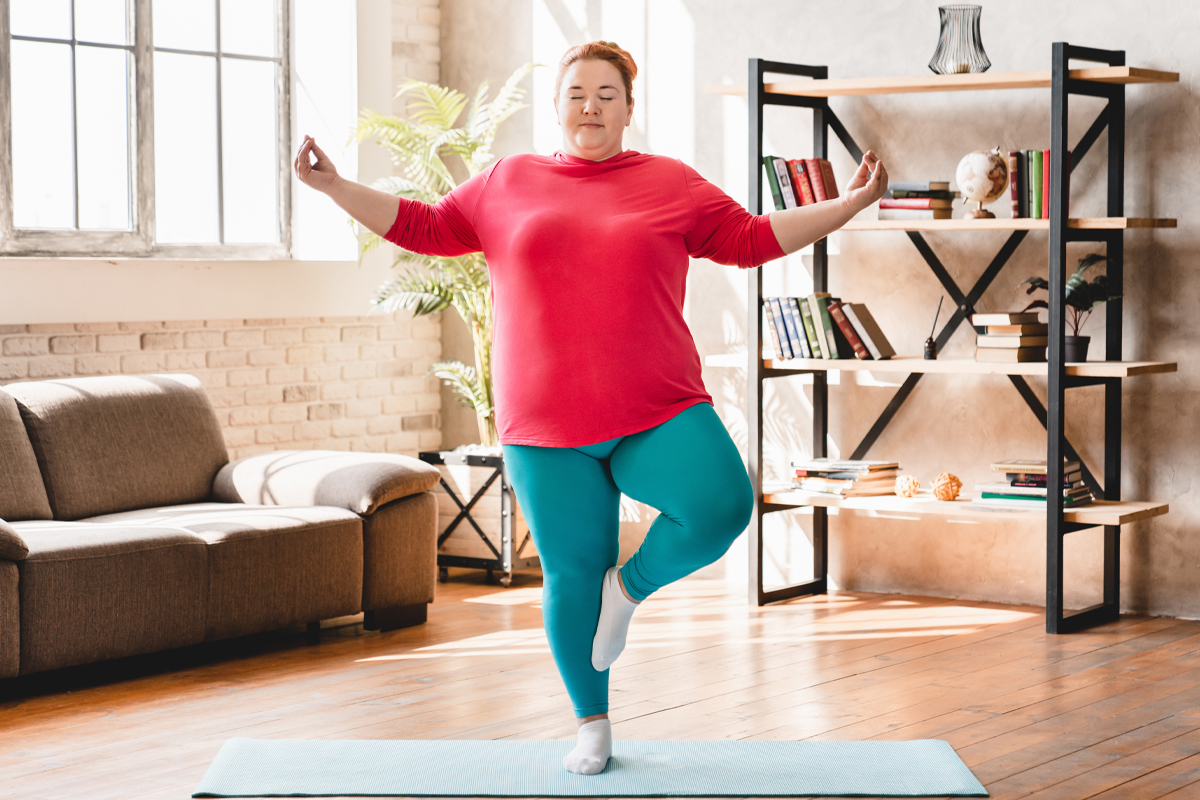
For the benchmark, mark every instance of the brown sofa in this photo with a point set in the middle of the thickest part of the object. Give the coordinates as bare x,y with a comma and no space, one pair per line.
124,529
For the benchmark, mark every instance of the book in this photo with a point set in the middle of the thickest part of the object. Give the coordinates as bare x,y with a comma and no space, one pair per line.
1010,318
778,325
816,179
822,304
841,343
831,190
1046,184
1028,502
814,313
900,193
843,465
773,182
868,331
1015,355
915,213
1007,489
850,475
1014,174
1011,341
785,182
1030,466
1035,183
1039,479
839,317
914,202
800,182
1028,329
810,328
792,306
918,186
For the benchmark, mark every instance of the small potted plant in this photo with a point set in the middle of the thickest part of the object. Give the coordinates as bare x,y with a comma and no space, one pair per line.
1082,298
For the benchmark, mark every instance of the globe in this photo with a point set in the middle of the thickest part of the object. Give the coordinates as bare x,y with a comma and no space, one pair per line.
982,177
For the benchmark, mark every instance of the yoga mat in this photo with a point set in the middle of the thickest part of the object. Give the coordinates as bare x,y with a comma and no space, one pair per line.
508,768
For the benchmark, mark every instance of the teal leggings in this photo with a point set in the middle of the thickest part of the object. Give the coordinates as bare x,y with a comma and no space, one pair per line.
687,467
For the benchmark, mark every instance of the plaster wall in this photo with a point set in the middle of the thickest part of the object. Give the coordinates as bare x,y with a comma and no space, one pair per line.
956,424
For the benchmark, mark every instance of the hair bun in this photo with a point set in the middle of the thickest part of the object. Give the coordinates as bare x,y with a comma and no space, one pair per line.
624,54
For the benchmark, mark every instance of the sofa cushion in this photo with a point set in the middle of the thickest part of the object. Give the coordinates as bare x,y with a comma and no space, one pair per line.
94,592
360,482
10,621
400,553
22,493
12,546
269,566
114,443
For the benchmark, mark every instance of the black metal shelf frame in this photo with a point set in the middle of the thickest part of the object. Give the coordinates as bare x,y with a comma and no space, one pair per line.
1112,119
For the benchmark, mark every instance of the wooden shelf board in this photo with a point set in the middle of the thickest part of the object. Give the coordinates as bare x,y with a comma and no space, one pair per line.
1100,512
1038,79
910,364
1086,223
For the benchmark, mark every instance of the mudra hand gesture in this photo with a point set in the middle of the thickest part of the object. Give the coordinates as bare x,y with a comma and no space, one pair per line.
319,176
869,183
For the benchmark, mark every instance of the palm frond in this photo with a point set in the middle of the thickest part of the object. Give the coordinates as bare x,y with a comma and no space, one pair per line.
465,382
434,106
420,294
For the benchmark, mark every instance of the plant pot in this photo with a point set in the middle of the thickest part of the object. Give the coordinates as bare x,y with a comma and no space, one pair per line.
1076,348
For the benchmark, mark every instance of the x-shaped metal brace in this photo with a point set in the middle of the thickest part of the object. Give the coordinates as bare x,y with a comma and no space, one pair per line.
464,512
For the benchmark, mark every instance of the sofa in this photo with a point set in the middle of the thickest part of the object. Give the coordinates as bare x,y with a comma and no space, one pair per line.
125,529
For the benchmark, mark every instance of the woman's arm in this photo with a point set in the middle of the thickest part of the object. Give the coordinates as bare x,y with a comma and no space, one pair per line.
799,227
373,209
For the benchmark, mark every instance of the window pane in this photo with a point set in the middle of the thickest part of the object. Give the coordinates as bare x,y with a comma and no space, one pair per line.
185,148
49,18
42,147
248,27
185,24
248,150
101,21
101,103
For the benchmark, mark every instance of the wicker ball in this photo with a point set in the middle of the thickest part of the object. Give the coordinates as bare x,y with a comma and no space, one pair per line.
907,486
946,486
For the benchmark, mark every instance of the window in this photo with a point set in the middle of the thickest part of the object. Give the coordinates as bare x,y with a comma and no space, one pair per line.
144,127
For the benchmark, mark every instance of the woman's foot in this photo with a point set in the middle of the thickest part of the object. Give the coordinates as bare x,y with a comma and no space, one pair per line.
593,748
616,609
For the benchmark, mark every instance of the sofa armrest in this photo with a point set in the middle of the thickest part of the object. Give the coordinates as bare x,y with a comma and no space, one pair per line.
359,482
12,546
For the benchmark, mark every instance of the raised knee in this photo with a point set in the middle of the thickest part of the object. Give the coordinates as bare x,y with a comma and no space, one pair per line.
724,515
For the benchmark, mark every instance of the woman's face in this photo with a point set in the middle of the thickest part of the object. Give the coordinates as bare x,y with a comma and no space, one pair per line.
593,110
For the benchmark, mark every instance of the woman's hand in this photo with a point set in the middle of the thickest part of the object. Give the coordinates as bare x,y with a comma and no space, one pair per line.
321,175
869,183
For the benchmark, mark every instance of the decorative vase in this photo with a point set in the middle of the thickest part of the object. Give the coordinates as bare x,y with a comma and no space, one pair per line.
1076,347
959,47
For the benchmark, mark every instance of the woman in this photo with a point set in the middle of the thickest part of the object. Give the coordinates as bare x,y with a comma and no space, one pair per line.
597,380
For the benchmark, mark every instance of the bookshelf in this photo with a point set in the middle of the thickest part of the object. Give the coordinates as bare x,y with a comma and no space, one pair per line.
810,87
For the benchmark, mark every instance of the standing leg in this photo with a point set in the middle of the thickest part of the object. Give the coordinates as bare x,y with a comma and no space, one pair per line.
691,471
573,507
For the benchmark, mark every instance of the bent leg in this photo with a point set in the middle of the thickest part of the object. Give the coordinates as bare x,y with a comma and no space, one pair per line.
572,507
690,470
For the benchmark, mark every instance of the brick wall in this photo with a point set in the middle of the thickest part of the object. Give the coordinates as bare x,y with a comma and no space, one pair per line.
340,383
416,52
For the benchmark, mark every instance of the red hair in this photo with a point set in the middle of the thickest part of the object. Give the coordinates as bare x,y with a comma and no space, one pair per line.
600,51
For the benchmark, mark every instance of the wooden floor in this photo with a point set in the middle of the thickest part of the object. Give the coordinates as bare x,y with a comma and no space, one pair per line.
1110,713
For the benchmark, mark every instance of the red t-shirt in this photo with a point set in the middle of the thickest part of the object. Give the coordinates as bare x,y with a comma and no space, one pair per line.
588,263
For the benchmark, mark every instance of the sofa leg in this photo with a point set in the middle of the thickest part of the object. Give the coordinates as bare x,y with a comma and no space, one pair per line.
389,619
314,632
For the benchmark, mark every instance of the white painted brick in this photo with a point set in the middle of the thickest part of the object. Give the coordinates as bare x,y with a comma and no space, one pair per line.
341,352
267,357
118,342
339,391
142,363
244,338
290,413
312,430
282,336
12,369
383,425
367,445
375,352
72,344
27,346
358,371
431,440
51,367
238,437
422,33
349,427
168,340
401,404
247,377
226,358
97,365
187,361
273,434
203,340
280,375
322,373
364,408
153,325
322,335
48,329
264,395
251,415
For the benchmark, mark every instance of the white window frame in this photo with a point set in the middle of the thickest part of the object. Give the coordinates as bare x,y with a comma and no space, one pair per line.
139,242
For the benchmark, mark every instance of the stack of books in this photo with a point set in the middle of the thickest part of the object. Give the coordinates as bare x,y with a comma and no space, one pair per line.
800,181
1029,182
1024,485
1010,337
821,326
917,200
854,478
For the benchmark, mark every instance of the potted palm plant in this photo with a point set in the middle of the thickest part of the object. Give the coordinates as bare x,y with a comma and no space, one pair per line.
1082,298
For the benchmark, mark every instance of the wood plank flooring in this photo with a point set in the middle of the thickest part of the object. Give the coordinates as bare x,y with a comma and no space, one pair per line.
1113,712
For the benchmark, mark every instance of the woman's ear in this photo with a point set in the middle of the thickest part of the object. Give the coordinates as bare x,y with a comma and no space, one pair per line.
556,117
629,119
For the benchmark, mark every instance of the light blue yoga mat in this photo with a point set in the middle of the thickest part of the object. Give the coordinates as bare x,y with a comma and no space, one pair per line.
508,768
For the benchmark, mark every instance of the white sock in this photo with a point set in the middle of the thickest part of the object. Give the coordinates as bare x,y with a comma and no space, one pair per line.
615,612
592,750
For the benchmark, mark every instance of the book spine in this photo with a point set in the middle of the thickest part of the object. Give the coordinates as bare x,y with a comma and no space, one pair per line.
813,169
1014,183
792,309
863,336
913,202
800,182
831,190
1045,184
774,322
785,182
773,182
1035,184
810,327
827,326
1023,183
839,317
784,321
